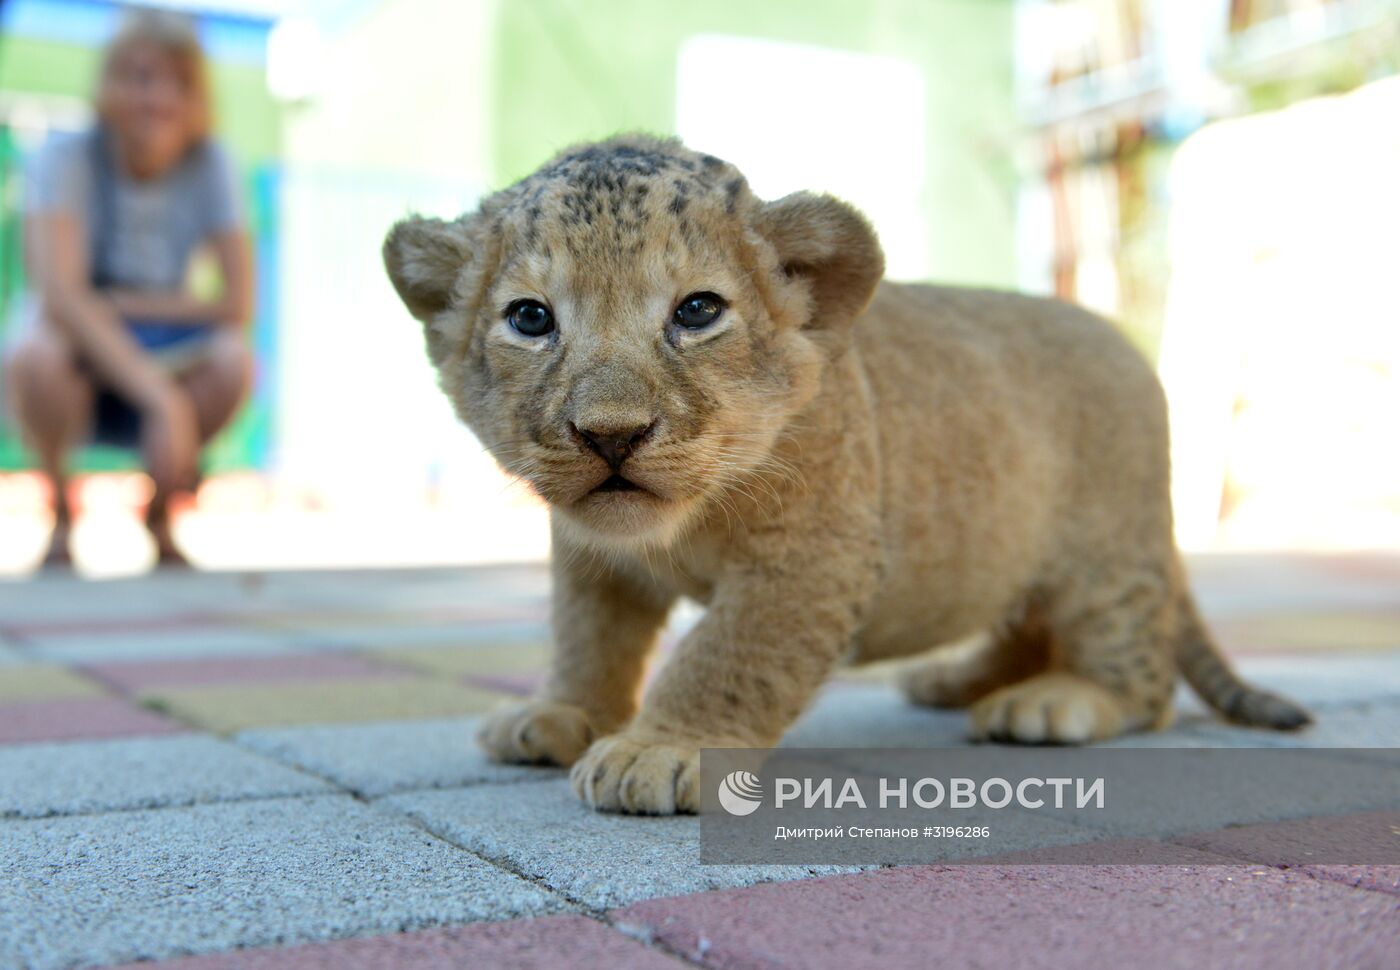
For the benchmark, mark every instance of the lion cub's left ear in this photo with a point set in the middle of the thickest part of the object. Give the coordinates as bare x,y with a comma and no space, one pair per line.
830,245
424,258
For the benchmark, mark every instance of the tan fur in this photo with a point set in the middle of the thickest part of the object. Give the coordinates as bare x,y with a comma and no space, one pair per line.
839,467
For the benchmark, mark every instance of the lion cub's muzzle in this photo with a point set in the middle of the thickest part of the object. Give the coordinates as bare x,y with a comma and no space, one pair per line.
614,443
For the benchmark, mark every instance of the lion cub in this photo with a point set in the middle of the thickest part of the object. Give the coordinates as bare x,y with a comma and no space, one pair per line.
718,398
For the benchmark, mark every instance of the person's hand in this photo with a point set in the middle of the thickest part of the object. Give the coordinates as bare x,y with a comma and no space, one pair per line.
170,439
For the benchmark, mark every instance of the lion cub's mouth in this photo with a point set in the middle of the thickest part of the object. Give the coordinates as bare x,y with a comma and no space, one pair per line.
616,483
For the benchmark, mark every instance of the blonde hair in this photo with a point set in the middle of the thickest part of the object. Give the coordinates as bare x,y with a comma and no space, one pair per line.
175,35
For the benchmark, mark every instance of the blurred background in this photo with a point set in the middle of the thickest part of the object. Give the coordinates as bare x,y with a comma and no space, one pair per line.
1218,176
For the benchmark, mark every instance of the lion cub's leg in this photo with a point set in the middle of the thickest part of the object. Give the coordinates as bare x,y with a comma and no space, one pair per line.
1112,666
727,686
604,630
962,673
769,638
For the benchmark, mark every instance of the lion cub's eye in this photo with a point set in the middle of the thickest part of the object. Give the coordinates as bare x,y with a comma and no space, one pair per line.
699,310
530,317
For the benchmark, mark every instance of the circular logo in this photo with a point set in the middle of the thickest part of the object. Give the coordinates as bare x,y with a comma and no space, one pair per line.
740,793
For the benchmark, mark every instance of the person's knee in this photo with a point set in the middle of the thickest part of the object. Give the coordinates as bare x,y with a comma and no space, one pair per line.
231,365
40,368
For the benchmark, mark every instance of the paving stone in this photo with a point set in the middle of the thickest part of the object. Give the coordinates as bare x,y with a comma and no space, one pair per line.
873,716
43,682
1117,852
856,715
1030,917
598,859
64,778
229,709
516,685
1327,680
149,884
1199,729
33,605
362,615
1362,849
69,718
1374,725
159,644
391,756
139,675
1229,586
865,715
461,661
355,637
1381,879
1171,794
537,943
1334,631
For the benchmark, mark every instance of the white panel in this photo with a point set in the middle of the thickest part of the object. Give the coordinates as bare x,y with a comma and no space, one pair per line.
795,117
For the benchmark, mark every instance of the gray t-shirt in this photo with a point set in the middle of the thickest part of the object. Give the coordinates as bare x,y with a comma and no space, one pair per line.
153,226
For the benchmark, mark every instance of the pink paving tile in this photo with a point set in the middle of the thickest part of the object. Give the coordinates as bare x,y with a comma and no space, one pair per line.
1381,879
545,943
140,675
1357,850
1031,916
1118,852
70,718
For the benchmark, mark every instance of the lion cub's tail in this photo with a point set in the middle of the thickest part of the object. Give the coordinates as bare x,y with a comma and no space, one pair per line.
1206,670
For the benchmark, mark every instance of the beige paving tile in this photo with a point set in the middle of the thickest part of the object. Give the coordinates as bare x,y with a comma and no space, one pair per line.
462,661
40,682
228,709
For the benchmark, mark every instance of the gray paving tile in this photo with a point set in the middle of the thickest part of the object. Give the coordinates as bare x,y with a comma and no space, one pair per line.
877,716
151,884
1364,725
448,634
1199,729
43,599
166,644
64,778
389,756
601,860
1169,793
1371,726
1327,681
1245,584
874,716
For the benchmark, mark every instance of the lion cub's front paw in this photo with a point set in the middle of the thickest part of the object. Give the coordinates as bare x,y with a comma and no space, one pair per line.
537,733
1049,709
639,775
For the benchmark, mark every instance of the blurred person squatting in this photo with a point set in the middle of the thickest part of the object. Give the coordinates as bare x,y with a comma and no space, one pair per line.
112,346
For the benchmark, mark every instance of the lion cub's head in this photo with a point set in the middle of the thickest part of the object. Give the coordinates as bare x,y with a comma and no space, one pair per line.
629,328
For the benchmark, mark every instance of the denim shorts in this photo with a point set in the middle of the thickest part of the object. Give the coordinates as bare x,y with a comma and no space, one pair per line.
175,346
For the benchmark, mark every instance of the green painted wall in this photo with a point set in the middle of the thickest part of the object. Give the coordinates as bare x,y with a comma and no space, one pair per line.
573,70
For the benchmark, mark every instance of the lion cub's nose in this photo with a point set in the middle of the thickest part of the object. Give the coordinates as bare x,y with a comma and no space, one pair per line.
613,444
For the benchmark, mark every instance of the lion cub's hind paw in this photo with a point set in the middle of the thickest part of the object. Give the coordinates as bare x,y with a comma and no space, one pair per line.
940,682
1052,708
537,733
632,775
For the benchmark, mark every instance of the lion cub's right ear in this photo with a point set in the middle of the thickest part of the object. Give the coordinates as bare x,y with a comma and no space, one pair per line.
831,247
424,258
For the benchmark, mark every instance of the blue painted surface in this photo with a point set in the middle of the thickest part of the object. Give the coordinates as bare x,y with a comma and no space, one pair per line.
267,241
238,38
